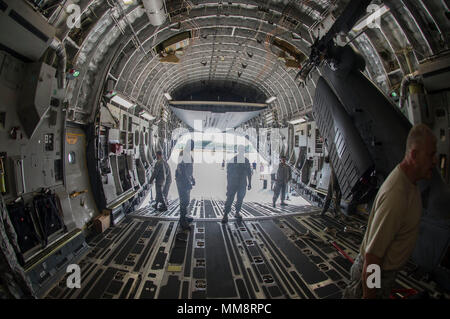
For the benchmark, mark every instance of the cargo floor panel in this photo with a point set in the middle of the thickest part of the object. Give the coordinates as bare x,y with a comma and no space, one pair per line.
270,254
219,277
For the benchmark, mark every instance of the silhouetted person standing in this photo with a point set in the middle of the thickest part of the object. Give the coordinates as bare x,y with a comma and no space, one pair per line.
159,176
185,181
238,172
283,178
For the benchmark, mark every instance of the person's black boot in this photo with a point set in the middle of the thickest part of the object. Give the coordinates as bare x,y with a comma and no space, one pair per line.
284,204
238,217
273,204
162,208
184,224
225,219
189,219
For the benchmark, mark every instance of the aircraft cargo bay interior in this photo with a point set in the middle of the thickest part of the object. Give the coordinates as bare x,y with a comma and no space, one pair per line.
209,149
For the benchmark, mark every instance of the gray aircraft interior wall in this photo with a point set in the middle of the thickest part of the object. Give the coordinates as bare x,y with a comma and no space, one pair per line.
128,171
51,153
35,159
309,151
83,207
121,155
41,161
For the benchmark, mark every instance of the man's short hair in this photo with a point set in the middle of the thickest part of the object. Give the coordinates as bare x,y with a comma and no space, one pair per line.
159,153
283,156
418,136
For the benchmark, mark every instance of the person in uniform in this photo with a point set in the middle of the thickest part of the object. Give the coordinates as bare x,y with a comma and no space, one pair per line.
394,220
284,175
238,172
159,176
185,181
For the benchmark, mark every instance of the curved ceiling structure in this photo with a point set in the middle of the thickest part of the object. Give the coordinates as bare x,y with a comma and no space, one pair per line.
237,42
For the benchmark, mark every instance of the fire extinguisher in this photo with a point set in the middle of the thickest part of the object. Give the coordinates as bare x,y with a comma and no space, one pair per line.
2,176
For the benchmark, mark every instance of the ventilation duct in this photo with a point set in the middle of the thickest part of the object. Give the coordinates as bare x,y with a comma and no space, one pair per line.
155,11
60,50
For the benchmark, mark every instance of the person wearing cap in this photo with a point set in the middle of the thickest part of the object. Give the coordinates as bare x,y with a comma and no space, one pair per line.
284,175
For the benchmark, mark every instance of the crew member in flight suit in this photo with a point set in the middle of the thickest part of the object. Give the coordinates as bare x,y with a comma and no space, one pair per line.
238,172
185,181
159,176
284,175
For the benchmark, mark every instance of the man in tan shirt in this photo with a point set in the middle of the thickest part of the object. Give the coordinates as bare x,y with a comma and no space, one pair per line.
395,217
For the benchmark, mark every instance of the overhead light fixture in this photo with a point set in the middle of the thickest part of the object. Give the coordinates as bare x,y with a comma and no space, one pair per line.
168,97
122,101
271,99
128,2
298,121
147,116
371,19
